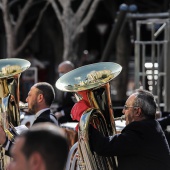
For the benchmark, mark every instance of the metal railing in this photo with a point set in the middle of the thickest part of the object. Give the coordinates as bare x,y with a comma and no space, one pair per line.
152,56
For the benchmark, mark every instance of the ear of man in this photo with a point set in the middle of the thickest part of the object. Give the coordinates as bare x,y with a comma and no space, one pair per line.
40,97
36,162
138,112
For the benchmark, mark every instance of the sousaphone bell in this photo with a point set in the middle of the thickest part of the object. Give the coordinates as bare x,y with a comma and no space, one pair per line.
10,71
93,81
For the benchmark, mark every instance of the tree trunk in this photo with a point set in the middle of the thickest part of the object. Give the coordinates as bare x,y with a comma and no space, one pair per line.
123,52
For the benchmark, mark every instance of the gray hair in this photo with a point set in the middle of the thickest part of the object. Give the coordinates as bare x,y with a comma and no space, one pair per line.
146,101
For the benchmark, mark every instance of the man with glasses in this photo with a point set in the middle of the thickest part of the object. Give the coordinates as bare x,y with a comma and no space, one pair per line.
142,144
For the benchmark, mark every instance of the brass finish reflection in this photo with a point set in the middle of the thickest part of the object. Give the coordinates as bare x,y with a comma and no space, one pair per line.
10,71
91,84
88,77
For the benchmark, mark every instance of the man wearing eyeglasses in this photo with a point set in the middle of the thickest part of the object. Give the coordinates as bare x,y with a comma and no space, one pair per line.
142,144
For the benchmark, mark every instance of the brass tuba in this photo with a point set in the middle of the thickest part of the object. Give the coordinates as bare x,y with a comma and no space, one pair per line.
10,71
94,81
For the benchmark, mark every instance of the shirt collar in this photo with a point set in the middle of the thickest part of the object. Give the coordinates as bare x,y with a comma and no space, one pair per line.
41,111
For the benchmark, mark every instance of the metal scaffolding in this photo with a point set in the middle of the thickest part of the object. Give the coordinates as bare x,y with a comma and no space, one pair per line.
152,70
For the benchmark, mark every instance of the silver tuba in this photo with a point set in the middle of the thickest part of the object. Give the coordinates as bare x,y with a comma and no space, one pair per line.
10,71
93,80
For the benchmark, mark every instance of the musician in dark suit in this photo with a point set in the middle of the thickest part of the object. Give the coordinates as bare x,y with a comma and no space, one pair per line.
142,144
40,98
65,100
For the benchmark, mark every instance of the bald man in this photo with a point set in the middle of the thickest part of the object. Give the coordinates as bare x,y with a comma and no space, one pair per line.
65,67
65,100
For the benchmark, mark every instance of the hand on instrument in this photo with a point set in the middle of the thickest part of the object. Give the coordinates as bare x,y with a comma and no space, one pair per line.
58,115
2,136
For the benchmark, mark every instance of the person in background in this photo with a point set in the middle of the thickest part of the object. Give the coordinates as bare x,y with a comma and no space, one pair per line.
43,147
65,100
142,143
40,98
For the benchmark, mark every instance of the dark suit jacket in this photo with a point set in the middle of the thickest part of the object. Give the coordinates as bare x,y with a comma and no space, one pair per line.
66,103
46,116
140,146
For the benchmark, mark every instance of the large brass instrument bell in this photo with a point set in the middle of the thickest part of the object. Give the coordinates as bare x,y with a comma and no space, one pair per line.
10,71
94,79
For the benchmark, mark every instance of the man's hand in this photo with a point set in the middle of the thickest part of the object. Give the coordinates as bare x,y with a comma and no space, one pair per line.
58,115
2,136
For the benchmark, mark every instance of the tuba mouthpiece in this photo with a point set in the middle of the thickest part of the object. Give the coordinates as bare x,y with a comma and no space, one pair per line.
120,118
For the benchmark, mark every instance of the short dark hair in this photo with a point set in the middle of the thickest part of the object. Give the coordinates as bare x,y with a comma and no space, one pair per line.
47,90
146,101
49,142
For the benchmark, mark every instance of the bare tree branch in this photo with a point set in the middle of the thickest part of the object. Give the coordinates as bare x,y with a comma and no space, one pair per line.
12,20
6,15
82,9
73,23
1,5
68,23
11,3
30,34
87,19
22,15
8,27
56,10
64,3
